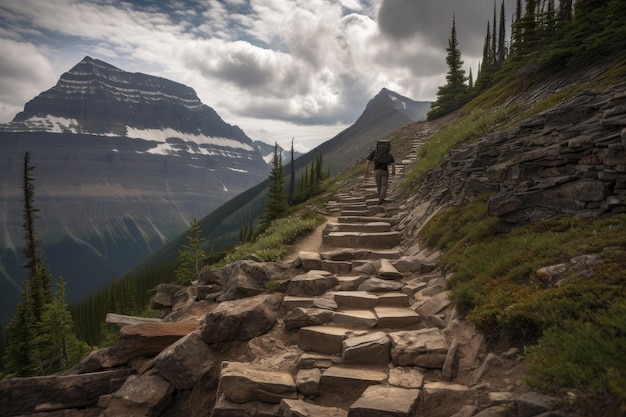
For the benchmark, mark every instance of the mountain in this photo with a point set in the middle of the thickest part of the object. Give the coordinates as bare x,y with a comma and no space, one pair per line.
123,162
385,113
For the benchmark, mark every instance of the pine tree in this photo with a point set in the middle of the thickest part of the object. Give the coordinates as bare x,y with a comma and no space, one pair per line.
21,332
453,94
34,328
516,31
276,205
56,345
292,177
501,52
191,257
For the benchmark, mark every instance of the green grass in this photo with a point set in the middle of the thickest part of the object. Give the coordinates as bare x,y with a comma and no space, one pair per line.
274,243
576,326
464,130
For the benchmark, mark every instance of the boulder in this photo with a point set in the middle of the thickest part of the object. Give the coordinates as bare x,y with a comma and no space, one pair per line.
388,271
248,278
164,296
241,319
185,362
371,349
426,348
141,395
310,260
240,382
380,285
302,317
314,282
308,381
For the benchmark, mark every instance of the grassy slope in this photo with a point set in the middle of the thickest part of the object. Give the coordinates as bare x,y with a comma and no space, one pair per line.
573,334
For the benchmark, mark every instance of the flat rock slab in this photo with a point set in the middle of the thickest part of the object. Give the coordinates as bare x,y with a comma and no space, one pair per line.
299,408
322,339
394,299
355,299
356,254
355,319
302,317
240,383
314,282
396,317
379,401
370,349
149,339
426,348
352,376
435,304
380,285
363,240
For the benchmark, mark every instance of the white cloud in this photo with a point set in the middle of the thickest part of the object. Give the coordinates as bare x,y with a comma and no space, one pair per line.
264,65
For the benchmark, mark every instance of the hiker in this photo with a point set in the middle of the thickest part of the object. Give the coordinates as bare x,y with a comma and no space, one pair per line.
382,157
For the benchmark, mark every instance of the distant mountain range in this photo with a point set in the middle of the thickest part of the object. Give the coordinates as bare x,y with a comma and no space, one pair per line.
125,161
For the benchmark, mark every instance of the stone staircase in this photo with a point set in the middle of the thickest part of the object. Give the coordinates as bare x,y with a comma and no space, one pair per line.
369,324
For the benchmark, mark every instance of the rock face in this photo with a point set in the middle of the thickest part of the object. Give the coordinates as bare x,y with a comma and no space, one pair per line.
566,160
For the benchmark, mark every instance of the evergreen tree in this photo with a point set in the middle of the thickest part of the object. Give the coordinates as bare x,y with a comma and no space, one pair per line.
56,345
501,52
516,30
191,257
487,67
276,205
453,94
21,332
292,177
470,80
34,346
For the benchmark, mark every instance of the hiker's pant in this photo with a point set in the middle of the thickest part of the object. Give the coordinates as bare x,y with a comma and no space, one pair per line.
382,183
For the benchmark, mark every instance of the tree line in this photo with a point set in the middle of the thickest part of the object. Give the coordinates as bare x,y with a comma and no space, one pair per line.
544,36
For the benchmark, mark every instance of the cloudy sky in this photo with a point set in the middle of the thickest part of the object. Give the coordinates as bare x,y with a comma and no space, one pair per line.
276,68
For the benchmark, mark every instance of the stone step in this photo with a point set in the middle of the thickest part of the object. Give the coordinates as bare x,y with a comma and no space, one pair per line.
240,382
322,339
350,283
343,376
371,349
371,227
384,240
352,254
352,212
367,219
396,317
301,408
387,401
355,319
355,300
394,299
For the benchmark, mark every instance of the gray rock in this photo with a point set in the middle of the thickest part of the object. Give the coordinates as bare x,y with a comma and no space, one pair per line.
371,349
426,348
241,382
312,283
141,395
299,408
241,319
308,381
302,317
379,401
185,362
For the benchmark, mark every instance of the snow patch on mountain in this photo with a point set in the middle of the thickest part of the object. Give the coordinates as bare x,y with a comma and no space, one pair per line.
162,135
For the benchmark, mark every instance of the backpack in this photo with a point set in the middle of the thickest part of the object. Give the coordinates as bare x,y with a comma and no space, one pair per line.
382,154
